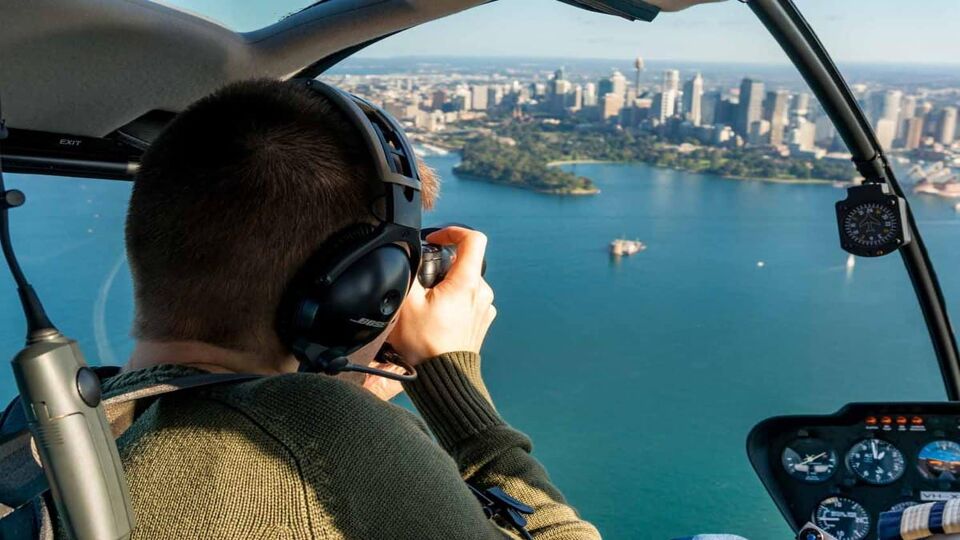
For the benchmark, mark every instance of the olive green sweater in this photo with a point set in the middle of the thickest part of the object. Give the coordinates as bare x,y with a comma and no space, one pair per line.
309,456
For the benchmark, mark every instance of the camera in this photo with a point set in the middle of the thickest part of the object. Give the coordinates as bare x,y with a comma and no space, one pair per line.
435,260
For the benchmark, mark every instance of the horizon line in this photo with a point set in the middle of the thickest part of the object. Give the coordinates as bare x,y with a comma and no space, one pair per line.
360,56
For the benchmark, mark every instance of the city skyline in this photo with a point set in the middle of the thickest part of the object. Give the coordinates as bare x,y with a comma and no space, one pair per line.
782,130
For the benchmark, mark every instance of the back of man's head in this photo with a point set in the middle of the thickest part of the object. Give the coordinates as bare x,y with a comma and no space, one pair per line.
230,200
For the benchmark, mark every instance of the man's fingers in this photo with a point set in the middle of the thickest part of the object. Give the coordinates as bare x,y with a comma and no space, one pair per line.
416,294
471,246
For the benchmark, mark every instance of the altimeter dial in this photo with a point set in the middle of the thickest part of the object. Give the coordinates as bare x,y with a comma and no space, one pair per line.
876,462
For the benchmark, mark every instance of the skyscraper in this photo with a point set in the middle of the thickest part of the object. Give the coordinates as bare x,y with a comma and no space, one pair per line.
638,65
590,95
884,106
913,132
494,96
559,84
618,83
886,132
559,88
692,97
775,111
612,105
803,135
615,84
751,106
710,107
576,98
908,110
801,105
479,97
438,99
671,81
948,125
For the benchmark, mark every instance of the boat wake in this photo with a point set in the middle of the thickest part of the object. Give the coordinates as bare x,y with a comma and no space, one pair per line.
104,350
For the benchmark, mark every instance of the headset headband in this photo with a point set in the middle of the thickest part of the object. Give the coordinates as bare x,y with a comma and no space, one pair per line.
397,177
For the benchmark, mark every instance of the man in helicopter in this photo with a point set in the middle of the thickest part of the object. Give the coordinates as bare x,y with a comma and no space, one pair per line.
232,200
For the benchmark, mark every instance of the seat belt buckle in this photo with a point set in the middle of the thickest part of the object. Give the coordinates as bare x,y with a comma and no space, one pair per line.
497,503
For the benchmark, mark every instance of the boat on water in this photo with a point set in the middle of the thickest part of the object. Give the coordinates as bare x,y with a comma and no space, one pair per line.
621,247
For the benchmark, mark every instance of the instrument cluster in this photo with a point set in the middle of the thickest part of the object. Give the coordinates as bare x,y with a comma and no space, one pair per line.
841,471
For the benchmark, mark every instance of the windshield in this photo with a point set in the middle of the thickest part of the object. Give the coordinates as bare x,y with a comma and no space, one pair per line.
667,269
242,16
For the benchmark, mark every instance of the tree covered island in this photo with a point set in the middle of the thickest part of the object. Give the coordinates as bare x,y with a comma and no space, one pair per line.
525,155
502,161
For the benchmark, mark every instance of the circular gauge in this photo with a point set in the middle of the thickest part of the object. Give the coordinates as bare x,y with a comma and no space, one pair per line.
940,460
871,224
843,518
875,461
809,460
902,506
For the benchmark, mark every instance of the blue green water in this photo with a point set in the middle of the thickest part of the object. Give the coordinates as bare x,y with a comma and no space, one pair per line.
637,380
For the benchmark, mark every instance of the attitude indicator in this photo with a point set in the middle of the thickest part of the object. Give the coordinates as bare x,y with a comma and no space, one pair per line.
809,460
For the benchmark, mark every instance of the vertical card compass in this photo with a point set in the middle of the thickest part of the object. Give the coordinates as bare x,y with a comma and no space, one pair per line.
872,221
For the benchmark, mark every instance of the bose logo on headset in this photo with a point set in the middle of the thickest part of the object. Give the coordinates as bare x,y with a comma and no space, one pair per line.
369,322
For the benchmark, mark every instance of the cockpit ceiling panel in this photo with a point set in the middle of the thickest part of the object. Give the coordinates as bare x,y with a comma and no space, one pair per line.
87,67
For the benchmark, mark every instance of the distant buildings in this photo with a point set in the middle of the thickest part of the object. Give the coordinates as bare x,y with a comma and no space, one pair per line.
479,97
751,106
920,123
612,105
692,100
913,132
590,95
776,109
948,125
615,84
639,67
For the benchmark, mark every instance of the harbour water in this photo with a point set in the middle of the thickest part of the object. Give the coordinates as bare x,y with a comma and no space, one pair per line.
637,378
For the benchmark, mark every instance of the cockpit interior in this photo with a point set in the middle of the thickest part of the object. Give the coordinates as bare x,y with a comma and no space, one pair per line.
78,102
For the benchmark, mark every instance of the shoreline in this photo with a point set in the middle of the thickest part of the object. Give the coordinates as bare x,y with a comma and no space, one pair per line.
800,181
573,192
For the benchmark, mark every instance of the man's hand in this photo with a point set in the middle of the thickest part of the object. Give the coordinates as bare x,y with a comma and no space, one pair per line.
456,314
677,5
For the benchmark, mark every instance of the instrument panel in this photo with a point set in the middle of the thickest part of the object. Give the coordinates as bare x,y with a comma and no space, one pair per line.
841,471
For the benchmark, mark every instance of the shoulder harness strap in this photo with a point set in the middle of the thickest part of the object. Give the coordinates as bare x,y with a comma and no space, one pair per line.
23,485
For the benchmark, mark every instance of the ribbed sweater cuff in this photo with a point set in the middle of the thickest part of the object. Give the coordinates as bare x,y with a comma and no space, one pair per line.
450,395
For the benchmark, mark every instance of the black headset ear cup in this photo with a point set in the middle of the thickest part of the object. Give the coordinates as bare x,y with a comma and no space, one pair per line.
357,306
338,245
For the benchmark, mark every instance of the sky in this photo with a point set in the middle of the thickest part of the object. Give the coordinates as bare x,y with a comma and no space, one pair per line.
855,31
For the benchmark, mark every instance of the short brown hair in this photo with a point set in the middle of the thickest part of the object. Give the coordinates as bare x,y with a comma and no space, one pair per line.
230,200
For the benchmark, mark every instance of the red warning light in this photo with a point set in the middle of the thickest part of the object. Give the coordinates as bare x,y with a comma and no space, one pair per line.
902,420
917,421
886,420
871,420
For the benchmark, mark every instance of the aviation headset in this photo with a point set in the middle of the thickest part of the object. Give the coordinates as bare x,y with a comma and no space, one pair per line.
350,289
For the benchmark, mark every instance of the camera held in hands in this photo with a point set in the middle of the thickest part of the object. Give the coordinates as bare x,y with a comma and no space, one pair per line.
436,260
